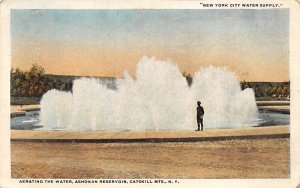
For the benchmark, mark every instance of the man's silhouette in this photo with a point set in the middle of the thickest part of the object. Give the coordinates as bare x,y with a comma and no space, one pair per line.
200,113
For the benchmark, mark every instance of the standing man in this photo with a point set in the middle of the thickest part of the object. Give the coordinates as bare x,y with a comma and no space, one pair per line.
200,113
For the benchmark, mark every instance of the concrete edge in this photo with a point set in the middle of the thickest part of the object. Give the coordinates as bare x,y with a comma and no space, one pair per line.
153,140
273,103
17,114
22,112
279,110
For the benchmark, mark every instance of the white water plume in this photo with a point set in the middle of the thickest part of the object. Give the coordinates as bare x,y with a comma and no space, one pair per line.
157,99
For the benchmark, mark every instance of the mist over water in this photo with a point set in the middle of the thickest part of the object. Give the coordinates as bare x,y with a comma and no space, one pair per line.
157,99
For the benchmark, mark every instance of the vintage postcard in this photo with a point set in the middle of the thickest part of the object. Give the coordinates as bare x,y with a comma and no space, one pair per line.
150,93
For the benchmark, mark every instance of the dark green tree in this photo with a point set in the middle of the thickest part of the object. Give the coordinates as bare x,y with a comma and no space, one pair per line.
188,77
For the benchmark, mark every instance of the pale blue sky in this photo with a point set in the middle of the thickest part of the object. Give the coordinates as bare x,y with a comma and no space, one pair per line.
236,38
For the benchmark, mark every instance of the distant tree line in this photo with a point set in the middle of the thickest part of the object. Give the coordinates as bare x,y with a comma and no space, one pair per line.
33,83
269,89
278,90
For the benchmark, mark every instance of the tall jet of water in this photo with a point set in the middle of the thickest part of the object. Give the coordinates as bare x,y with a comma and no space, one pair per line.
157,99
